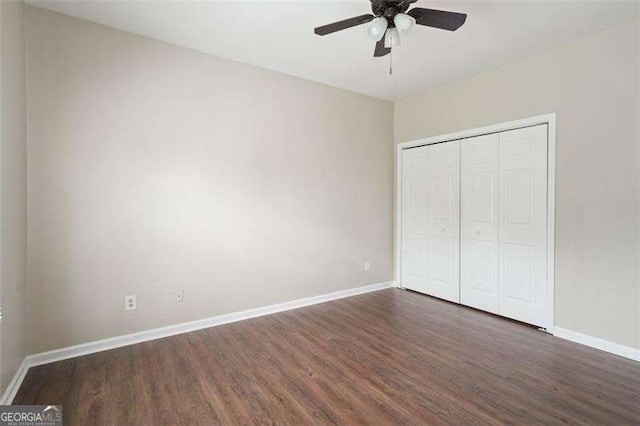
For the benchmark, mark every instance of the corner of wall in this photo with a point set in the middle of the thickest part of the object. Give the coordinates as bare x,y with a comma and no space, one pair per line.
13,201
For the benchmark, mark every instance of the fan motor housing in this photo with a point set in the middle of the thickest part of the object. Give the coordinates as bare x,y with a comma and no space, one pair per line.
389,8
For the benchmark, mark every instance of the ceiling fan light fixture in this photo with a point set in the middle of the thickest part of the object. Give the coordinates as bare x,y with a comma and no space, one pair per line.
377,28
391,38
390,18
404,22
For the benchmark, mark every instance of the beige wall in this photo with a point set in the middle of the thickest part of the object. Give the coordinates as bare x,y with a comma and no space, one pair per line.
13,175
592,84
154,168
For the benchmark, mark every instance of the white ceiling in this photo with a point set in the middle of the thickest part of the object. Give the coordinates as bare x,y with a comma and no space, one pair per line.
279,36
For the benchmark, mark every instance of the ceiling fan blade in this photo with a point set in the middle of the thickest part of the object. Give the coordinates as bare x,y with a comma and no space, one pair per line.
380,50
438,18
343,25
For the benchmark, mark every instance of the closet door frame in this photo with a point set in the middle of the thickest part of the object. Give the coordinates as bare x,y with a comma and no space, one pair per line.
548,119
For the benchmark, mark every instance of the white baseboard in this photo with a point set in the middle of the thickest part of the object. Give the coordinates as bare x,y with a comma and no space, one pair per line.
11,390
594,342
172,330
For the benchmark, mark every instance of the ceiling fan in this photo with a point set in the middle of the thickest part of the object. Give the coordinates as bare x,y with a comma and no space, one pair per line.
390,18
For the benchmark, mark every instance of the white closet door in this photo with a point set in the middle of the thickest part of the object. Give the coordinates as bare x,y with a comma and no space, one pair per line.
430,220
523,224
479,222
415,226
443,268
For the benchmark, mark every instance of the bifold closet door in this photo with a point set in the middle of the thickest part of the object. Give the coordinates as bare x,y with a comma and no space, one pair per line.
430,220
415,225
479,227
504,223
523,224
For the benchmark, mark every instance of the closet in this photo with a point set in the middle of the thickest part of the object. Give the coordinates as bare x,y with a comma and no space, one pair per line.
474,222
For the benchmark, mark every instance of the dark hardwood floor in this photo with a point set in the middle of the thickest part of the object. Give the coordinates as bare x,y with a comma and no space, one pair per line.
389,357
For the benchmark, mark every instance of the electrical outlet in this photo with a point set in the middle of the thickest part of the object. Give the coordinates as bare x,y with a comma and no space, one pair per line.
367,265
178,296
130,302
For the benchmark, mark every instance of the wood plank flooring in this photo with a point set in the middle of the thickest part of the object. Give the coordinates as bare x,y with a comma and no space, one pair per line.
389,357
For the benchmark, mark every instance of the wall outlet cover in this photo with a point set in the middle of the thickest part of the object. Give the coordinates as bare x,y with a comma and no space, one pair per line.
130,302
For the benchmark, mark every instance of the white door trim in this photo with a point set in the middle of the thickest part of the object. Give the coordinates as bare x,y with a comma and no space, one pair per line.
550,120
